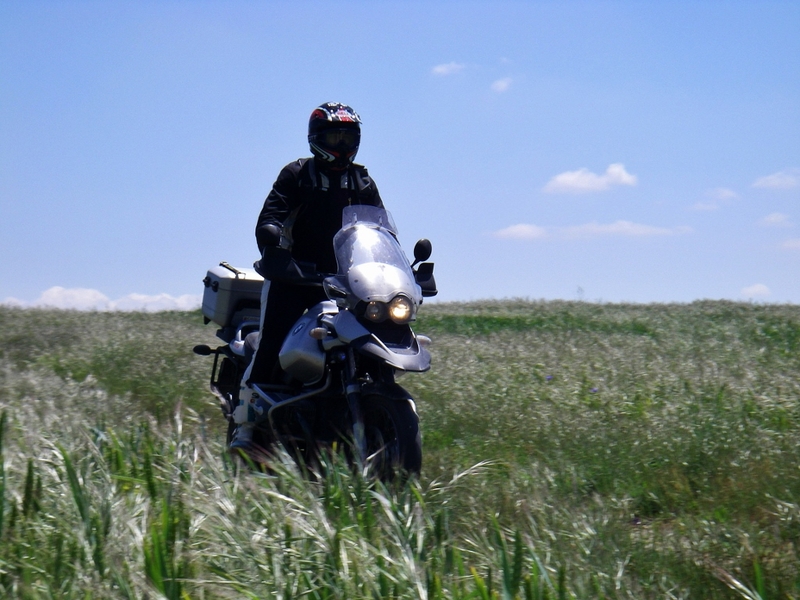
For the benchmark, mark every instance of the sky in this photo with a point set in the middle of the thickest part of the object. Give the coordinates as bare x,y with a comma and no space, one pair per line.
603,151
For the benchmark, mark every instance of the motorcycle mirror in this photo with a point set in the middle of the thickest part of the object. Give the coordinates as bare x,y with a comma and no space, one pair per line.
202,350
422,251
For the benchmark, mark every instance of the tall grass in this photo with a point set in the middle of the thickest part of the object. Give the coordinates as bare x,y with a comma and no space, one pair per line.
572,450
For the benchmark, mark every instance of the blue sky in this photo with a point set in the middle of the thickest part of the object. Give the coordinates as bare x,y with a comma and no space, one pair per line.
612,151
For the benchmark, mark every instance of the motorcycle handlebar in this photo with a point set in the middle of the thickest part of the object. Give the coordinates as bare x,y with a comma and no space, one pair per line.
277,264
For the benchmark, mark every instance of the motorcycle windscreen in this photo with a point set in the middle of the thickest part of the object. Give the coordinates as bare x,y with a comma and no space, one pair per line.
372,264
364,214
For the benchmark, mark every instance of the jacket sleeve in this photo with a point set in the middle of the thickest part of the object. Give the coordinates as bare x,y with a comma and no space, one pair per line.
368,191
280,202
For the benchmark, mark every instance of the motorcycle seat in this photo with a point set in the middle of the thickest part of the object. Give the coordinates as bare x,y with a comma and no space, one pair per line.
245,344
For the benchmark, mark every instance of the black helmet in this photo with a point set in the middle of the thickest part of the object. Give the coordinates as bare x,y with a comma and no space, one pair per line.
334,133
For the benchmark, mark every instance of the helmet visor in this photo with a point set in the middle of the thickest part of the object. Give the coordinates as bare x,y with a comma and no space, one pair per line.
339,138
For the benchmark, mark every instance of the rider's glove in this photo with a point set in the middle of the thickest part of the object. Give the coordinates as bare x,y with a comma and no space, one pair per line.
269,235
274,262
274,259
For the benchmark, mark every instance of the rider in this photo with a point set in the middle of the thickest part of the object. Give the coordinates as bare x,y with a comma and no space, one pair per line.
301,214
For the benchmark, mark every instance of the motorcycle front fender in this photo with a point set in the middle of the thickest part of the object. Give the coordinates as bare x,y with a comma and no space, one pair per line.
414,358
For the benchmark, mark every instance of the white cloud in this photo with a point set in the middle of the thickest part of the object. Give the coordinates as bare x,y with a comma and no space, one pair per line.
758,290
588,230
502,85
584,181
706,206
89,299
776,220
521,232
448,69
792,244
722,194
76,298
13,302
718,196
620,229
782,180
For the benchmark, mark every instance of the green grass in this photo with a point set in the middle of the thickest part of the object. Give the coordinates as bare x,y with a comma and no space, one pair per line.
571,450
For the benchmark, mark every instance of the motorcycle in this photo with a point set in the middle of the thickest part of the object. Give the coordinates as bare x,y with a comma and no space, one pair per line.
340,360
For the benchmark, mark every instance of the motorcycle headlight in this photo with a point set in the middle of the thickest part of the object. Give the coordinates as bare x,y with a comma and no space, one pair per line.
375,311
401,309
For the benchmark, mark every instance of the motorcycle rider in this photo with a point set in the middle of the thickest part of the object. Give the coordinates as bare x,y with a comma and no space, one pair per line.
301,214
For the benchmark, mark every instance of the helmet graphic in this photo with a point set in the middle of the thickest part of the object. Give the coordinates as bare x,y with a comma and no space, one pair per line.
334,133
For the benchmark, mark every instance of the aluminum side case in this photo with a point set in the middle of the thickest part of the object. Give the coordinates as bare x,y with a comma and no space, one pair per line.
230,290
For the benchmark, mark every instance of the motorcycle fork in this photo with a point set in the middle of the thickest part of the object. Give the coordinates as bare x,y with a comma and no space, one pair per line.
353,392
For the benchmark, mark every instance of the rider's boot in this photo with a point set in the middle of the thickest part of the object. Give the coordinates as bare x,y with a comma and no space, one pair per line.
243,437
244,416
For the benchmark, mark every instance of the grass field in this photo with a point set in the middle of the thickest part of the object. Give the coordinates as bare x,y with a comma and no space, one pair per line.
571,450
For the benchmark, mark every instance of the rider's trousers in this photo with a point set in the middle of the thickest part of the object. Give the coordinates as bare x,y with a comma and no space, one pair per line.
281,305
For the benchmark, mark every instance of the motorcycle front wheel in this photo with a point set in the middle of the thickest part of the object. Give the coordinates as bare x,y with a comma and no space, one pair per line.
392,436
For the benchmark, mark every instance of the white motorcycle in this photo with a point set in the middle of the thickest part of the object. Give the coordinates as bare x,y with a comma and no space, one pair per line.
341,357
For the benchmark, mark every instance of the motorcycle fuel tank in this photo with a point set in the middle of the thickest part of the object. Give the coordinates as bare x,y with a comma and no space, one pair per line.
301,356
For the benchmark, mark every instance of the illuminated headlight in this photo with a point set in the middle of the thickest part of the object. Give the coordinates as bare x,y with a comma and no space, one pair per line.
401,309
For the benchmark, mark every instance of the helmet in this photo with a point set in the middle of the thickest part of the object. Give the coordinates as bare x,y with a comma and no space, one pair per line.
334,133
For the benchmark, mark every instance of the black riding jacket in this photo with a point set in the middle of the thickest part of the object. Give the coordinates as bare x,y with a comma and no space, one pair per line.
307,203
